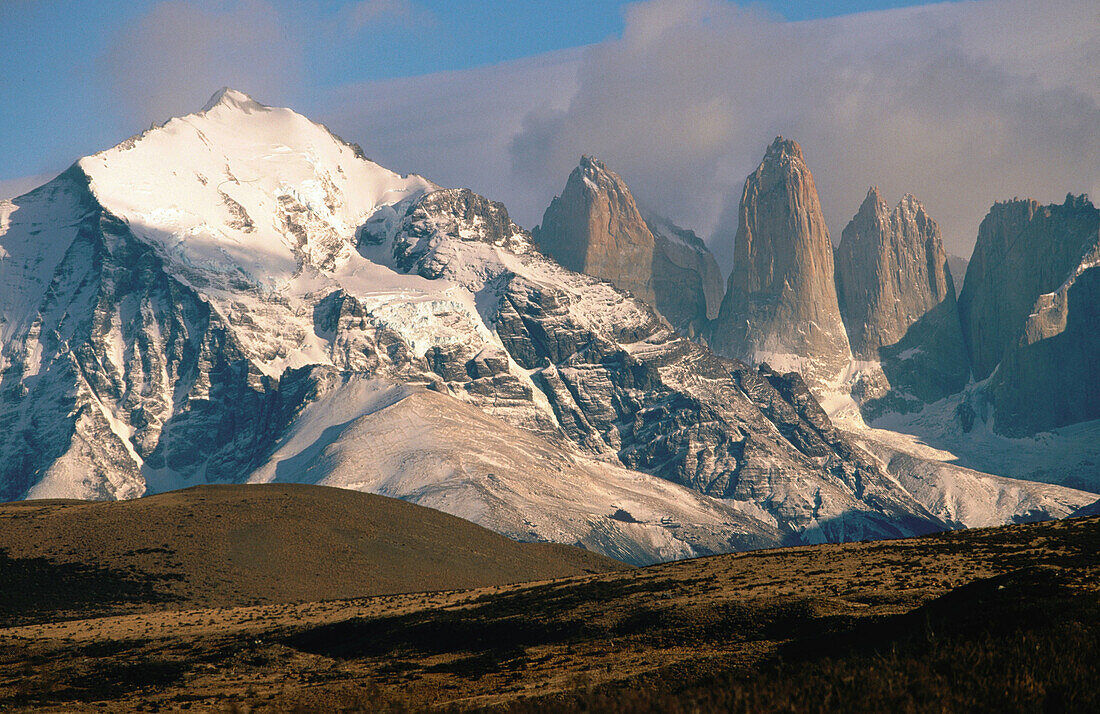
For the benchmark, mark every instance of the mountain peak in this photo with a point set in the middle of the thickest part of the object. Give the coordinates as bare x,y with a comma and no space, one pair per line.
873,204
781,147
593,168
782,275
909,200
232,99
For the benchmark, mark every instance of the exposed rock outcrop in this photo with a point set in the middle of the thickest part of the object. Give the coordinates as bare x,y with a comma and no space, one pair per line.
686,280
780,304
623,385
1029,310
897,298
596,227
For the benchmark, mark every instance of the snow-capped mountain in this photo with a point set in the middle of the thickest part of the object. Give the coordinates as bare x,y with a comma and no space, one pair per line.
239,295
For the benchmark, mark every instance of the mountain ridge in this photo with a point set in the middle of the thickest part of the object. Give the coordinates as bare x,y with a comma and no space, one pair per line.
595,226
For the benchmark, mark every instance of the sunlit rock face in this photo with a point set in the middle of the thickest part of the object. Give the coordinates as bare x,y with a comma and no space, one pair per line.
897,297
1028,309
596,227
780,304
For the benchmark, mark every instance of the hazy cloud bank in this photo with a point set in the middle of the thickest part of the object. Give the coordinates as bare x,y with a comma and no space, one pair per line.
457,128
960,104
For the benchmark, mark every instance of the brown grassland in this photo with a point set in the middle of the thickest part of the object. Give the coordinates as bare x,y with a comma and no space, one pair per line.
1000,619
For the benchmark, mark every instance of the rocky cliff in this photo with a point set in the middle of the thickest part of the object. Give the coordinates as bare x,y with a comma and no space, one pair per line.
686,280
621,384
897,298
780,304
596,227
1028,309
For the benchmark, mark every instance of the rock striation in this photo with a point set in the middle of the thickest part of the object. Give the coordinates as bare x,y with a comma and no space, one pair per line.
897,298
622,385
781,305
1028,309
596,227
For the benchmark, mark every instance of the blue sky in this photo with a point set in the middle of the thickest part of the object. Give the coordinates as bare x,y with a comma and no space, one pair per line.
960,103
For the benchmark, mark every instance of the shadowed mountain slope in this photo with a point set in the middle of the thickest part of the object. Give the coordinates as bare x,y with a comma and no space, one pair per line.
897,298
1028,310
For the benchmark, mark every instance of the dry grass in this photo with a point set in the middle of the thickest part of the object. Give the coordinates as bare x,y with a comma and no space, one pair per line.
997,619
238,545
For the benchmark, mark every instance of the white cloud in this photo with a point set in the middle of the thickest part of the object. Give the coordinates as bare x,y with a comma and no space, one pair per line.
960,103
456,127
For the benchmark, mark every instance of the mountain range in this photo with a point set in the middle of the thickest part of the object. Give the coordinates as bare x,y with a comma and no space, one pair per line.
988,360
240,296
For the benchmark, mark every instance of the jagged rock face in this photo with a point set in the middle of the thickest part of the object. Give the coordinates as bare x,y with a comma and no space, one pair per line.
595,227
687,283
1050,378
621,384
780,304
1024,250
897,298
119,365
1028,310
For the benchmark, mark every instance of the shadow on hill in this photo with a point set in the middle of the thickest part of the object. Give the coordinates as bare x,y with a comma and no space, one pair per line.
1024,641
40,590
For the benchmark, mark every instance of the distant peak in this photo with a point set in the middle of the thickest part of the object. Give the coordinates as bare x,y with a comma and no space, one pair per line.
591,162
784,147
596,173
910,202
873,204
232,99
